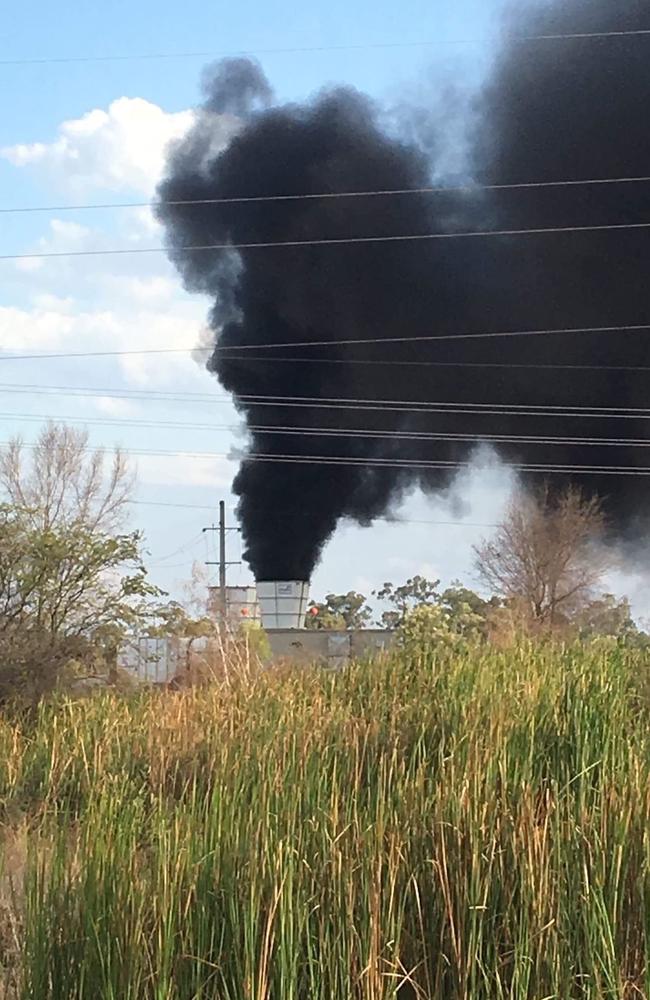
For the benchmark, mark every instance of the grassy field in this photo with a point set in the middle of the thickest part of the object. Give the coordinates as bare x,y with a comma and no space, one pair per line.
468,826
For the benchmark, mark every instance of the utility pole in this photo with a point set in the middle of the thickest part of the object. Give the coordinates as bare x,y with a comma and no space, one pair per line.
222,556
222,563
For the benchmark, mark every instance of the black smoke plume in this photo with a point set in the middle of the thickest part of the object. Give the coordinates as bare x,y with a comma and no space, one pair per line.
570,109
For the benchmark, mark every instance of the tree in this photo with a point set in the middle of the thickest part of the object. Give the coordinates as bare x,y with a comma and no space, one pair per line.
607,616
423,628
61,481
415,592
69,579
465,611
547,556
339,611
72,581
66,594
469,614
65,565
432,625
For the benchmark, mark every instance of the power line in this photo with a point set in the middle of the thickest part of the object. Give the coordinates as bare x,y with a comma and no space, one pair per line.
588,470
139,395
355,341
190,544
387,520
440,364
426,436
326,195
156,569
331,241
359,405
121,422
479,407
468,410
146,395
444,408
274,360
163,503
388,463
414,406
312,49
343,432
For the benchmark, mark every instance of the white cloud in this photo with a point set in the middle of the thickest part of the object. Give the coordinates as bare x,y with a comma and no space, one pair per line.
41,328
61,236
117,303
128,325
122,148
120,303
114,406
146,290
22,329
62,271
153,329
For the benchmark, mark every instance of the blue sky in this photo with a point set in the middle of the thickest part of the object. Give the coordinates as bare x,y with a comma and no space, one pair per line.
39,97
88,132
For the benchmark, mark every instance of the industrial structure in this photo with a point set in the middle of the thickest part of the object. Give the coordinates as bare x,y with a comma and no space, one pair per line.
280,607
240,603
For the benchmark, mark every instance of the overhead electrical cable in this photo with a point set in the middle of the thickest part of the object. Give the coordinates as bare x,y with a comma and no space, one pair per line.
438,405
190,544
387,463
338,432
386,519
134,395
326,241
230,350
274,360
386,406
312,49
325,195
373,362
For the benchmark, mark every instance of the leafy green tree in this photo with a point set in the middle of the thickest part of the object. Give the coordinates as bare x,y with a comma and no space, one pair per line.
424,627
465,612
430,626
339,611
469,613
416,592
72,580
607,616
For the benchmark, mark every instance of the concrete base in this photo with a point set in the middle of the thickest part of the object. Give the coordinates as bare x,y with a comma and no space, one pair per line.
330,648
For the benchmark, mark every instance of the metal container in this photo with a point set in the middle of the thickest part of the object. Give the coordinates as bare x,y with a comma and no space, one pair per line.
283,603
241,604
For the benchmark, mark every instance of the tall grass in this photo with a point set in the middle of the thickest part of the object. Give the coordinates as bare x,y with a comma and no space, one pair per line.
465,826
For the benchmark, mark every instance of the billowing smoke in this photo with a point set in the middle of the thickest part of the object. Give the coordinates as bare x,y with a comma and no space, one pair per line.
570,109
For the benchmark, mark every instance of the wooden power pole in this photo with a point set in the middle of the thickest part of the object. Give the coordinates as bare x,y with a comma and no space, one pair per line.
222,562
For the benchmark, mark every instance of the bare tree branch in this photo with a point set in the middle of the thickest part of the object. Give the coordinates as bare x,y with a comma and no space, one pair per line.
62,482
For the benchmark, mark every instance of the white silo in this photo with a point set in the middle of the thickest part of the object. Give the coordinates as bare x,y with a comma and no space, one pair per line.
283,603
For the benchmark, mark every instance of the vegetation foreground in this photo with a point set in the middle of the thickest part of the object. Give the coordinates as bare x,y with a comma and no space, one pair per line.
466,825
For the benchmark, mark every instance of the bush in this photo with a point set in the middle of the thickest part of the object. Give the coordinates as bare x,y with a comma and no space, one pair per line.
431,625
